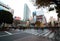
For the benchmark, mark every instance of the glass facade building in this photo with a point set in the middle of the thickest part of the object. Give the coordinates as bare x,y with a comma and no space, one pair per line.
26,12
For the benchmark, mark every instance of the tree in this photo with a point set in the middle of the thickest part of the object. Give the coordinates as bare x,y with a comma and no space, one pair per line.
6,17
47,3
43,2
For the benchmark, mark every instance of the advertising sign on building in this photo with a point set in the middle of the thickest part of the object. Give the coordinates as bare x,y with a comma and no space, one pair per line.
17,18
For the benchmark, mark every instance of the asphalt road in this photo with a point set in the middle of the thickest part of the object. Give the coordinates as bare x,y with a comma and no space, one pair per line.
26,35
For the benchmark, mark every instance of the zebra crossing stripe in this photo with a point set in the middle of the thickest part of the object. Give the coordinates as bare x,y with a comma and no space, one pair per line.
43,33
51,35
4,35
47,33
35,33
8,32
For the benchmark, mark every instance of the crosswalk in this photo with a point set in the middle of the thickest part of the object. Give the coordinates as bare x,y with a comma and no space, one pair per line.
39,32
51,35
8,32
47,34
44,33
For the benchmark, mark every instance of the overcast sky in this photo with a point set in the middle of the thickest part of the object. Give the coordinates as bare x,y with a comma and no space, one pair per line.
18,6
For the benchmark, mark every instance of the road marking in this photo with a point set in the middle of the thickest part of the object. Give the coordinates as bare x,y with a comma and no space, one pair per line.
43,33
31,32
35,33
8,32
47,33
3,35
51,35
9,35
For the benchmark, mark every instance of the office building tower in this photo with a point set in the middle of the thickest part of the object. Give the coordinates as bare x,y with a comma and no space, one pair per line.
27,12
34,16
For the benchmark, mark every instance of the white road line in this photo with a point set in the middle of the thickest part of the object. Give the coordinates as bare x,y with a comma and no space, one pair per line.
51,35
35,33
9,35
3,35
8,32
47,33
30,32
43,33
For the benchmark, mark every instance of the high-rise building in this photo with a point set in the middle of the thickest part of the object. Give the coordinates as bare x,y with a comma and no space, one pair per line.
26,12
34,13
34,16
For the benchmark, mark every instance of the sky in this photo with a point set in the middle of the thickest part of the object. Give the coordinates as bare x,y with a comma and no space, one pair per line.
18,6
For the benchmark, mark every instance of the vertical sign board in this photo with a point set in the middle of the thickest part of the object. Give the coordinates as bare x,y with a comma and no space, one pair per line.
39,18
